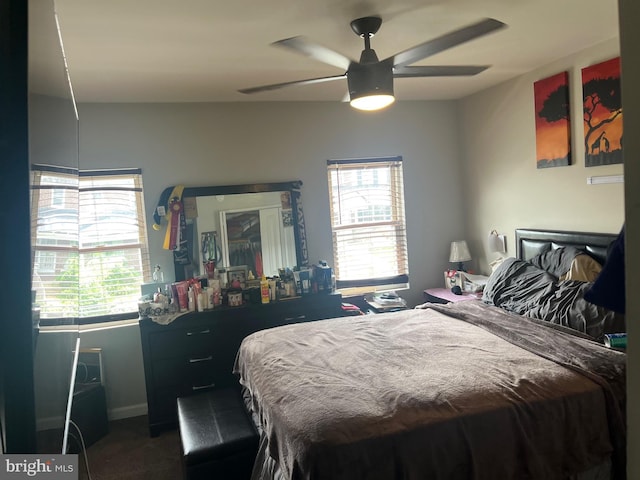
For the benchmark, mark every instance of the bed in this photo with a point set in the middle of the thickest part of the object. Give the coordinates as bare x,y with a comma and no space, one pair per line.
467,390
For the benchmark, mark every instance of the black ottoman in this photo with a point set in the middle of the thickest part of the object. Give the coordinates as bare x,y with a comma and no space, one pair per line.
218,439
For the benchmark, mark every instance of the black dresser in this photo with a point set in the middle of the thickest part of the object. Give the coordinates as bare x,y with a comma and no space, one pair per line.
196,352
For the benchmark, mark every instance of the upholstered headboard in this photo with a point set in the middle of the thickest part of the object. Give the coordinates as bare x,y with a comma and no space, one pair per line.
532,242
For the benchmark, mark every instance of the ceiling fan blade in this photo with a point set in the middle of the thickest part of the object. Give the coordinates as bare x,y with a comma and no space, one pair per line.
439,71
444,42
276,86
315,51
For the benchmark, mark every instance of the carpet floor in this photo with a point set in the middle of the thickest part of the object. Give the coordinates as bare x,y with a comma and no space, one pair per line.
127,452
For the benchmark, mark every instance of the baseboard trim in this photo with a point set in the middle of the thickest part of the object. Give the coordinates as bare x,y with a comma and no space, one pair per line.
114,414
128,411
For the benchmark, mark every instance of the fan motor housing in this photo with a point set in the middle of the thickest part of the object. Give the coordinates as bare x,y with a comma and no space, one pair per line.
372,79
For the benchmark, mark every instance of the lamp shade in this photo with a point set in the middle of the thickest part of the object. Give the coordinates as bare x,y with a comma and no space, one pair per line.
459,252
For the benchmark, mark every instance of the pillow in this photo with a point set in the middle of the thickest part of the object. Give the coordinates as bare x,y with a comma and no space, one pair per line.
556,261
608,289
496,263
583,269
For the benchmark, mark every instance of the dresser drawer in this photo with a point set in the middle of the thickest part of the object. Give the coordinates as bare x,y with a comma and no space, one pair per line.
181,342
284,313
190,371
295,313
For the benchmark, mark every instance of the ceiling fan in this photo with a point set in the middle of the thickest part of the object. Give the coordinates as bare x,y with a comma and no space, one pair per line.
370,81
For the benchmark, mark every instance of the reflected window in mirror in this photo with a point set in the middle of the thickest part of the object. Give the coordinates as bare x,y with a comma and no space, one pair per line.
54,240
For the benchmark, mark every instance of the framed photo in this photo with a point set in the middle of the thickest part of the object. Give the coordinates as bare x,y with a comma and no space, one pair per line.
237,273
553,128
285,200
602,106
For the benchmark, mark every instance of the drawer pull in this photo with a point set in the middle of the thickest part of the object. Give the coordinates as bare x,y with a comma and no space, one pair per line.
202,387
203,359
202,332
299,317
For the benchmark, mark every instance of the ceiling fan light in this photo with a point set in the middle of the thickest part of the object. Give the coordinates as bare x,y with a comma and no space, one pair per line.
371,86
372,102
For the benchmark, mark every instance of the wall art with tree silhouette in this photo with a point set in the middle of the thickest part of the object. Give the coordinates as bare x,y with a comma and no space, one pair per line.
602,113
553,128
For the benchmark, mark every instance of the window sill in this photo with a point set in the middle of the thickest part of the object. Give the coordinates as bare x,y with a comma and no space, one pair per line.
353,291
90,327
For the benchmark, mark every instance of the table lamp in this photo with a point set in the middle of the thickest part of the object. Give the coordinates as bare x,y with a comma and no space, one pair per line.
459,253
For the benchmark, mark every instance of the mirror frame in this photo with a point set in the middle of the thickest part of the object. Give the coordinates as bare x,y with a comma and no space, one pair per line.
294,189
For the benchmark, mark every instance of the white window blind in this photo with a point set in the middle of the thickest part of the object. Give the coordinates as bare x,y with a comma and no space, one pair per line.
90,249
114,257
368,223
54,240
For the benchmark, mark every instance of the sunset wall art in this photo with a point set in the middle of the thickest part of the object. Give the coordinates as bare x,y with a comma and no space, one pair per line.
602,113
553,127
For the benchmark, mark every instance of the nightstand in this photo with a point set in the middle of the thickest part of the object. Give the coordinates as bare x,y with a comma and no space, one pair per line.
444,295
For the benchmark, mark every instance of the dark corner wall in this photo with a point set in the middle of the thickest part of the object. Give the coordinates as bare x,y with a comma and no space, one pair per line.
17,403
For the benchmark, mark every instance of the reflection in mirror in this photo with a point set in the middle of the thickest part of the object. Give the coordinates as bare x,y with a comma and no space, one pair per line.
260,226
53,152
255,229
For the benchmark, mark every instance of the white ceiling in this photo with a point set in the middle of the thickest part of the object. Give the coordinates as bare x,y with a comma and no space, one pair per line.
205,50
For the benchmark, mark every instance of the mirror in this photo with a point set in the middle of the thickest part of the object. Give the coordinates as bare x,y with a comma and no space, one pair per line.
53,155
257,225
254,229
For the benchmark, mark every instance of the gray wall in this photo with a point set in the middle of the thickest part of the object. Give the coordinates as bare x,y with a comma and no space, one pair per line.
53,131
52,374
231,143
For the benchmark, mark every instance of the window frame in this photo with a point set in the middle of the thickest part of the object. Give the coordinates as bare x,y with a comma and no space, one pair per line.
396,222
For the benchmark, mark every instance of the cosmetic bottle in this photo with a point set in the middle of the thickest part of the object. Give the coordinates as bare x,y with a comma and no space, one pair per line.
191,300
202,301
264,289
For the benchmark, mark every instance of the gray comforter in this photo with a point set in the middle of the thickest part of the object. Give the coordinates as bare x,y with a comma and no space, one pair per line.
527,289
446,392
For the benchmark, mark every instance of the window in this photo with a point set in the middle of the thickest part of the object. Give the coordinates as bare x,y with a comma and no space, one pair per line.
54,240
114,257
104,256
45,262
57,196
368,223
